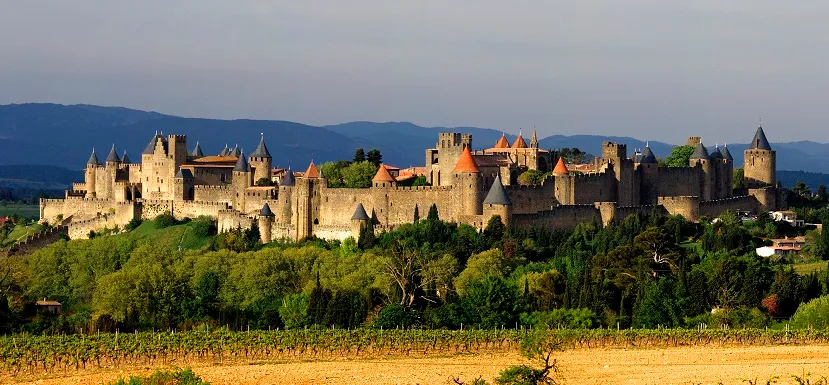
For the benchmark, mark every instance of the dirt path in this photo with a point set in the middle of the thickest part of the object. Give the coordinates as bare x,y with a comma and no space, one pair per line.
731,365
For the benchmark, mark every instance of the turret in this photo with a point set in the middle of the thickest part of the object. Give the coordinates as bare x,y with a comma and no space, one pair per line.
242,176
760,167
701,158
183,185
497,202
225,151
359,220
383,178
266,218
519,142
177,149
260,160
648,168
502,142
89,174
467,181
197,152
286,189
113,160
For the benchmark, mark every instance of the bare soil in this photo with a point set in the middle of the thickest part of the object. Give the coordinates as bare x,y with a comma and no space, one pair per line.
674,365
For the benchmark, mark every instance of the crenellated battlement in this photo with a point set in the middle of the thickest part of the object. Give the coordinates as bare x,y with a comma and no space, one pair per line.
212,187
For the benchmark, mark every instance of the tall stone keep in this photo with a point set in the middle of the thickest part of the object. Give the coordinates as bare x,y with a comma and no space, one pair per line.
450,147
261,161
89,174
242,176
760,162
700,158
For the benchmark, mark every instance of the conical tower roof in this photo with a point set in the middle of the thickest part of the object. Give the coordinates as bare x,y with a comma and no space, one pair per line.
241,163
225,151
235,151
288,179
700,152
312,171
519,142
197,152
497,195
502,142
151,146
113,155
124,158
466,164
93,159
561,168
716,154
266,211
725,153
261,150
647,156
759,142
383,175
360,213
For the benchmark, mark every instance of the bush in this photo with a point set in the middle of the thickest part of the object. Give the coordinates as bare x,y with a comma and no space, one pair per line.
562,318
178,377
814,313
165,220
396,316
133,224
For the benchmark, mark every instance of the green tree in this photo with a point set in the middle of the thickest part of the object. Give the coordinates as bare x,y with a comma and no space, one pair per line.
738,179
358,175
333,171
420,181
264,182
433,213
374,157
657,306
802,190
531,177
359,155
822,194
680,156
494,300
488,263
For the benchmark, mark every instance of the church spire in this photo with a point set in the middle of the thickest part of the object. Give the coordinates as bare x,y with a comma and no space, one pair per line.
534,139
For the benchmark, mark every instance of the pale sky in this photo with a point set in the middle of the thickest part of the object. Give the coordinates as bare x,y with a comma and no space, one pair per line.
652,69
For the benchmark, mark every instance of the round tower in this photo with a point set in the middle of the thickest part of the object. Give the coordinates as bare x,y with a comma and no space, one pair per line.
497,202
261,161
701,158
760,167
265,223
92,166
359,220
728,170
241,181
467,182
286,189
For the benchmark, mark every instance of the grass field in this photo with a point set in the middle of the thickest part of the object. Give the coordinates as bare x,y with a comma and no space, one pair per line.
25,211
671,365
20,232
809,267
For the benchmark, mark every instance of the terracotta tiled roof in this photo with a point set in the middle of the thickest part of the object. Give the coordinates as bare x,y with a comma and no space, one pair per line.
383,175
519,142
491,160
215,159
466,164
502,142
312,171
561,168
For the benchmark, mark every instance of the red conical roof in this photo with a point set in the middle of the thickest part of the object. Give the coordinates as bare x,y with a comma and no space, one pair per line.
561,168
312,171
519,142
383,175
466,164
502,142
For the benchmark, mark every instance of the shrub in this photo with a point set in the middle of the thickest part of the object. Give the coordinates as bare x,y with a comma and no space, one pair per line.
165,220
814,313
178,377
394,316
133,224
562,318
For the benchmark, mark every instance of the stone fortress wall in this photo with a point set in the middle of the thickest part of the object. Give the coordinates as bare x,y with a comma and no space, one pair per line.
170,180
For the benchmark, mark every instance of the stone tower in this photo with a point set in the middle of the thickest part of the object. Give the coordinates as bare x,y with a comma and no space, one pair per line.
284,202
616,155
450,146
92,165
265,223
359,220
760,165
648,168
701,158
728,170
261,161
534,140
242,179
183,185
497,202
468,184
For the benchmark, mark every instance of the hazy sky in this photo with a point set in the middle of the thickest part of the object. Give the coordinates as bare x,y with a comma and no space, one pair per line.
653,69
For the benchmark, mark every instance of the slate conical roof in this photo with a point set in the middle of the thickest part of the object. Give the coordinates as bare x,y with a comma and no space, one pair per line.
383,175
759,142
151,146
93,159
225,151
184,173
502,142
360,213
497,195
241,163
561,168
647,156
700,152
197,152
124,158
716,154
726,154
266,211
113,155
312,171
519,142
261,150
235,151
288,179
466,164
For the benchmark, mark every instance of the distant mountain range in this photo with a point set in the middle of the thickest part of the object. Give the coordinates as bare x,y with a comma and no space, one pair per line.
60,135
